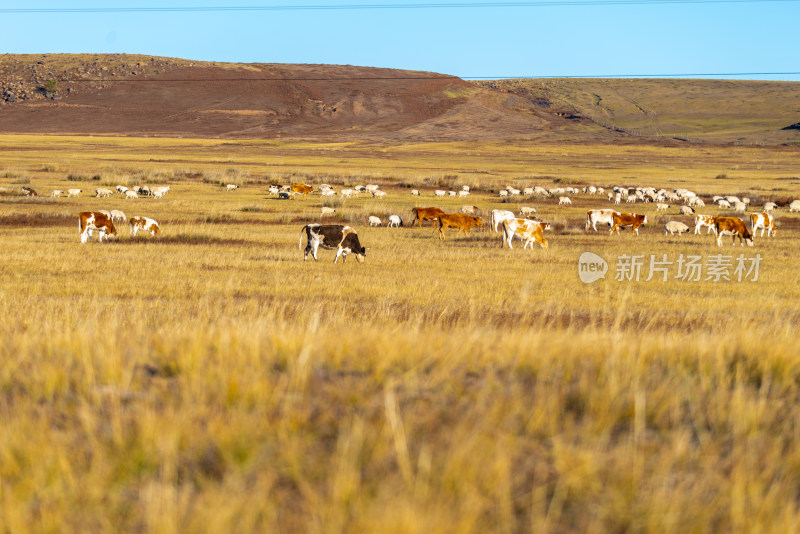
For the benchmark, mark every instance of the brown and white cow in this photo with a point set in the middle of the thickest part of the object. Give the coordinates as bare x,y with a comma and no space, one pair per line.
144,224
421,214
634,220
332,236
301,189
765,221
735,227
90,221
527,230
599,216
704,220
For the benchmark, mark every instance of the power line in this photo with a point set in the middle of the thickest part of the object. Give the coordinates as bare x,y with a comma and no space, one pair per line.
410,78
673,75
361,7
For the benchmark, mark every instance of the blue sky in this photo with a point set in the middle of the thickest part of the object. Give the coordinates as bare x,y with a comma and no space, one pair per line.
546,38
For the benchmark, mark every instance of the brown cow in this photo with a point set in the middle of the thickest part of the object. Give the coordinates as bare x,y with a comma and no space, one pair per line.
735,227
421,214
634,220
301,189
457,220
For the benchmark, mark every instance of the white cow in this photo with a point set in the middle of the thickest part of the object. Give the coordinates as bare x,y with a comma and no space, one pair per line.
395,221
498,216
374,221
599,216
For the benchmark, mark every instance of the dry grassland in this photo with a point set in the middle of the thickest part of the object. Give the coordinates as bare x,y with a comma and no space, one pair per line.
211,381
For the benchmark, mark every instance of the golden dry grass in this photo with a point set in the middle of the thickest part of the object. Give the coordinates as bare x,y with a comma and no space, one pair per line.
210,380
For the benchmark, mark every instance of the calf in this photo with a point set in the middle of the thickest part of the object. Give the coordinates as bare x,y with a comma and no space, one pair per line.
634,220
735,227
89,221
332,236
144,224
460,221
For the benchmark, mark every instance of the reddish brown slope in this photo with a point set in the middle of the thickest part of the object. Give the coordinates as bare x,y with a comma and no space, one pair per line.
135,95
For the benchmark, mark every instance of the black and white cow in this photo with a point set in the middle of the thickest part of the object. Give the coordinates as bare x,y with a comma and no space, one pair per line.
332,236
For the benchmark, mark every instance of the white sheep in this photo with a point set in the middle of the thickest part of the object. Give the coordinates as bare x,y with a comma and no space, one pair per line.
675,226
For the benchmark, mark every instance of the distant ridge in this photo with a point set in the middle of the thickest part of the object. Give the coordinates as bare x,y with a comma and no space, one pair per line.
122,94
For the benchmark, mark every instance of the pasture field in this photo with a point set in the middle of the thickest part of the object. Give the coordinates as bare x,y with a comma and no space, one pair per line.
209,380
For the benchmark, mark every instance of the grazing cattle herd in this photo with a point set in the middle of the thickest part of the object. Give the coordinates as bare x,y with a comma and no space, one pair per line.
525,226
